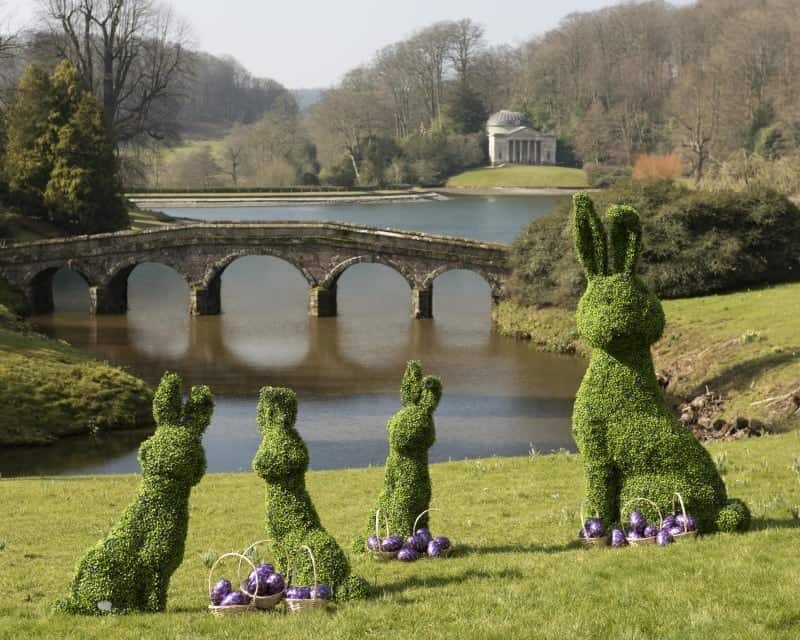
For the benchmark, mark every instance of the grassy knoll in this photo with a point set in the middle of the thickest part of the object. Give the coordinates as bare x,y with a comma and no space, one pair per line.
521,176
518,573
744,345
49,390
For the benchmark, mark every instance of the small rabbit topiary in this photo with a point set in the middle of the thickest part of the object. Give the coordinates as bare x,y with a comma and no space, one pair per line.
412,432
631,445
292,520
130,570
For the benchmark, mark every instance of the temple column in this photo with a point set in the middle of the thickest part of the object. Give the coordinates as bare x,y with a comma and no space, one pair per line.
205,300
422,302
322,302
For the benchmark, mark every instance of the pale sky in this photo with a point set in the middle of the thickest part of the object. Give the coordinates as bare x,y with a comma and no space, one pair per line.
311,43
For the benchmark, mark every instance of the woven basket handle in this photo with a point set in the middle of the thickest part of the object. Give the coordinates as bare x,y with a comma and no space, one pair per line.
416,522
648,501
290,569
247,551
583,517
378,525
238,571
683,510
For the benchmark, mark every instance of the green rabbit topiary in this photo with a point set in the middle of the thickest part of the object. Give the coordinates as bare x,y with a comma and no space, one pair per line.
412,432
130,570
631,445
292,521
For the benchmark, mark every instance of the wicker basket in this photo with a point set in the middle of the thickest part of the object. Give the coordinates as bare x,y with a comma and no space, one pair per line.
602,541
297,605
234,609
686,535
447,551
379,554
264,603
636,542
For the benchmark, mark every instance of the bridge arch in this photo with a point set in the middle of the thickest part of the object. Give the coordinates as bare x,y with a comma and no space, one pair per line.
39,286
495,285
332,277
111,295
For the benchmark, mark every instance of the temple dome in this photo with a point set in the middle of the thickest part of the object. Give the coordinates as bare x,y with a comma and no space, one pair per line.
508,119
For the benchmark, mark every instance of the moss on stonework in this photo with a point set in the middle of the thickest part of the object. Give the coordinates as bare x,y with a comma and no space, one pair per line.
631,445
130,570
407,483
292,521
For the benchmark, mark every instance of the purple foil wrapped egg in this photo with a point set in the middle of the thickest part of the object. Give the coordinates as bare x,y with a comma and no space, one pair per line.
305,593
686,523
664,538
391,543
583,533
649,531
219,591
236,598
322,592
262,572
634,535
274,584
424,534
374,543
637,520
669,521
417,543
595,527
408,554
443,541
676,530
618,538
435,549
293,593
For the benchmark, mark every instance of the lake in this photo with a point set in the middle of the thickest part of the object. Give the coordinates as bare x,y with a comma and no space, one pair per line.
500,396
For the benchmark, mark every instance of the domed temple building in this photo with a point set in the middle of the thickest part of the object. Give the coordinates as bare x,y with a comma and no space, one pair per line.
513,140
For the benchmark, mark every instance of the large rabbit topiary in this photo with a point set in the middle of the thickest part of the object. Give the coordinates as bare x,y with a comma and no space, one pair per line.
292,521
631,445
412,431
130,570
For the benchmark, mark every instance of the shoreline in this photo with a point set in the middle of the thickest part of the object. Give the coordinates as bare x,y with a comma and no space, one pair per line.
514,191
191,202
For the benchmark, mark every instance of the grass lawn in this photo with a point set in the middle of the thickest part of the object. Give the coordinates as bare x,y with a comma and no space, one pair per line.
521,176
744,345
517,573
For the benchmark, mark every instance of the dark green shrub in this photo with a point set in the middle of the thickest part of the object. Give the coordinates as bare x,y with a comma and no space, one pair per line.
698,243
130,570
407,483
631,445
292,520
603,176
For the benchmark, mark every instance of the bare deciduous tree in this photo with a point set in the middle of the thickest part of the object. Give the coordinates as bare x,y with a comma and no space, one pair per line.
131,53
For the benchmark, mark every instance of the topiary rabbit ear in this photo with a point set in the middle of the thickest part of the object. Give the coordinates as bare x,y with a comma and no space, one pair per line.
625,238
198,410
590,237
411,387
167,402
277,405
431,393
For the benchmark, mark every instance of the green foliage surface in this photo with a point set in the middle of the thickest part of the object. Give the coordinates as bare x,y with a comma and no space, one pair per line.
292,521
412,432
697,243
131,569
519,573
60,163
631,445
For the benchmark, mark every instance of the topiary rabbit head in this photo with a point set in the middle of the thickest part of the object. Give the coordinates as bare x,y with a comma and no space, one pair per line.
282,452
412,430
617,311
175,451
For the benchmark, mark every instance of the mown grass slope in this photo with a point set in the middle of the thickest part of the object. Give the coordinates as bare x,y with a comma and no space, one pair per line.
521,176
744,345
517,572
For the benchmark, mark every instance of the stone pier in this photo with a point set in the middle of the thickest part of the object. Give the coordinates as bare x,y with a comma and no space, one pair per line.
206,300
110,299
422,302
322,302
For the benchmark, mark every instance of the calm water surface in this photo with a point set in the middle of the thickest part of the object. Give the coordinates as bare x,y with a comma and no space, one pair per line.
500,397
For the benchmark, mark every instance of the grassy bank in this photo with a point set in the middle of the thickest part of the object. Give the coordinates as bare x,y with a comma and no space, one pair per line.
49,390
517,573
743,345
521,176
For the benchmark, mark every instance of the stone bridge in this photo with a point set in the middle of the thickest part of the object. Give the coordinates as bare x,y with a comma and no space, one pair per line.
201,252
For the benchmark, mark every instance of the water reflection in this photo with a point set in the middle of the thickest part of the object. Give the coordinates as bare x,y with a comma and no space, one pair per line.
499,396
